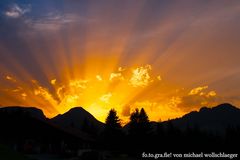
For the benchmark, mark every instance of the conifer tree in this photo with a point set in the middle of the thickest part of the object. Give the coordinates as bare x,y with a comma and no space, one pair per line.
112,120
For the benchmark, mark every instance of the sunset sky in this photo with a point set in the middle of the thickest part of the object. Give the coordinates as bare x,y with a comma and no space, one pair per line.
169,57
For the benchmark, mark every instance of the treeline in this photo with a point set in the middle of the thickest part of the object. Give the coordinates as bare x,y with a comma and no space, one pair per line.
141,135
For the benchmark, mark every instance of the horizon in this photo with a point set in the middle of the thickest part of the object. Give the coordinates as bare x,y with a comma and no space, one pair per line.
125,121
168,57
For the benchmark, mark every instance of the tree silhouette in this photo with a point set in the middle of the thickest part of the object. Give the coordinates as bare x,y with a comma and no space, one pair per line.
112,120
139,129
143,117
134,116
112,134
133,125
144,124
139,122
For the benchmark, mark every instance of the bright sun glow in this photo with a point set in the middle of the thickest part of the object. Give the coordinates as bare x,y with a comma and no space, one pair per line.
136,55
124,89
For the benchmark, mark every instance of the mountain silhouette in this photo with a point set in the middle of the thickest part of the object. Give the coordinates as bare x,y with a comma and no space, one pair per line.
216,119
79,119
28,130
30,111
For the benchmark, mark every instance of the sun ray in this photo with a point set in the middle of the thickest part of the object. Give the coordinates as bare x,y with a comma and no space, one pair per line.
121,55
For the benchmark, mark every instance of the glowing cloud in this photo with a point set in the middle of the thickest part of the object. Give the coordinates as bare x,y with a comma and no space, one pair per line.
79,84
24,95
53,81
116,76
72,99
10,79
41,91
98,77
197,90
175,101
211,94
159,78
140,76
197,98
105,98
120,69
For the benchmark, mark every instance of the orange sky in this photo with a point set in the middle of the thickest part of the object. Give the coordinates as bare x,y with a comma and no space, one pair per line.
168,57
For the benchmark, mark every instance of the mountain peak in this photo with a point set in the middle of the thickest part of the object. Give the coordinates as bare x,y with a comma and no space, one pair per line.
79,108
226,106
77,112
76,117
204,109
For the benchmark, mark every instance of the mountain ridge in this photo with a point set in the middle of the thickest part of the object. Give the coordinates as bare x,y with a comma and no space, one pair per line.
207,119
63,133
214,119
